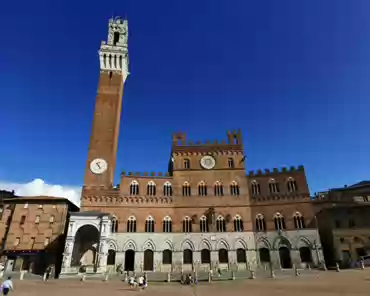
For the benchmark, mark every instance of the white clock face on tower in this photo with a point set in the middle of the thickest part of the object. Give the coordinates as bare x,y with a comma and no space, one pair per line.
208,162
98,166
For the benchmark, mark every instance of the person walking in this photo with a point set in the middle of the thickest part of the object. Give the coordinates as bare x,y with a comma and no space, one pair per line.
6,286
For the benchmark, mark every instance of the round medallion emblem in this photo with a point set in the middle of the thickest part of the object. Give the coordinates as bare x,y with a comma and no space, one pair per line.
208,162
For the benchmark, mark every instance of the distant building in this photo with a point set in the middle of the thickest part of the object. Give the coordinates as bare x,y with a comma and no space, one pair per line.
7,194
344,224
33,230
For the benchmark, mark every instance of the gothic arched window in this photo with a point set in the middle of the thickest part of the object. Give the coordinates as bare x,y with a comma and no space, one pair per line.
134,188
202,189
149,224
279,221
203,223
187,225
273,186
291,185
167,224
167,189
218,188
234,188
186,190
256,189
299,221
131,224
238,224
114,225
260,223
221,224
151,189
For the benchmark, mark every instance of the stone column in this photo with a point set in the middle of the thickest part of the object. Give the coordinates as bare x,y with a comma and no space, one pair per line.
275,259
102,256
120,259
232,256
157,261
196,256
139,261
252,259
295,257
67,256
177,260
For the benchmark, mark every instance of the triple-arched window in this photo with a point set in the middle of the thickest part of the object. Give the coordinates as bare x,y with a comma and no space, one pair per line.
187,225
238,224
260,223
274,186
167,224
134,188
203,224
218,188
291,185
131,224
234,189
256,188
167,189
151,189
186,189
298,221
202,189
149,224
220,224
279,221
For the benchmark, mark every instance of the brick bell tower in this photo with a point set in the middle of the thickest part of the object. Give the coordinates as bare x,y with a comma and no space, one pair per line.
102,155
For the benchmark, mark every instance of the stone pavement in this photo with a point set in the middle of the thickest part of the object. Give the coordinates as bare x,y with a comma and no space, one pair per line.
350,282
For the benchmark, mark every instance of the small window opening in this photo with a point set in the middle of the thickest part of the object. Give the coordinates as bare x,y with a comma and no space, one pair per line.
115,38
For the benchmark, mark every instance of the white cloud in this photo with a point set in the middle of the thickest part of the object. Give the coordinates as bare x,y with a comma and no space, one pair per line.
39,187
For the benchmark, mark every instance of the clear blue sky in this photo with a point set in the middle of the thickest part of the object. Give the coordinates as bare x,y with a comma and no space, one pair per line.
293,75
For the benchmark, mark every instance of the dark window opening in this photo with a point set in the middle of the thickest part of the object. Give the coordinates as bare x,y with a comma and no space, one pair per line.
23,219
115,38
167,257
231,163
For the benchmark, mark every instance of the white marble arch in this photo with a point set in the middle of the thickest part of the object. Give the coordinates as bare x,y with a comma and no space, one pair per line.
168,245
80,224
222,244
240,244
263,242
205,244
112,245
281,241
129,245
187,244
148,245
303,241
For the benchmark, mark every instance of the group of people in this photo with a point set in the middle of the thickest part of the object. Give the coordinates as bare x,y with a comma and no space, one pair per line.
141,281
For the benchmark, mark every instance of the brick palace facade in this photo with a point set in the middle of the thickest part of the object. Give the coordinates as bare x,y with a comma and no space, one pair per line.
205,212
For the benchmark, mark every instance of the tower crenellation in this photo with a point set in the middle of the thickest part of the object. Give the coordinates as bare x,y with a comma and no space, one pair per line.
113,53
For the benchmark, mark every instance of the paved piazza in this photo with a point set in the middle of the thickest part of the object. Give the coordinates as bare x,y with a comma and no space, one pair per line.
352,283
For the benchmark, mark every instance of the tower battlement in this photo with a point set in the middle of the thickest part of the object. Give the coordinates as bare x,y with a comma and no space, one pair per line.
113,53
179,139
268,172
